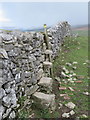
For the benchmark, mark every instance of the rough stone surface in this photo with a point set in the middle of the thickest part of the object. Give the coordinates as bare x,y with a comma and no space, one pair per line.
21,63
3,53
47,100
71,112
1,111
46,63
48,52
31,90
46,84
6,113
2,93
12,115
40,74
70,105
65,115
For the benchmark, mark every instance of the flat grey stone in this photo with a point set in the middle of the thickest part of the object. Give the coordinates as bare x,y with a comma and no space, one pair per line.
47,100
2,109
70,105
40,74
1,40
46,63
12,115
7,113
48,52
45,82
1,81
31,90
10,99
1,72
17,77
27,74
65,115
3,53
7,37
2,93
1,63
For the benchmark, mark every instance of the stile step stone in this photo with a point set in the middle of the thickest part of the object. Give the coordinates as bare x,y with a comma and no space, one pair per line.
46,63
48,52
46,100
46,83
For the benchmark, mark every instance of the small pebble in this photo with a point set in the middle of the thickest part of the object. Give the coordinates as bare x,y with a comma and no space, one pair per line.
74,68
75,63
84,63
79,81
68,64
66,97
85,116
71,112
71,89
65,115
62,88
70,105
86,93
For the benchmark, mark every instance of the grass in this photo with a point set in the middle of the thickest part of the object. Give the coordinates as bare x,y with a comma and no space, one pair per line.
22,113
75,50
41,112
81,32
6,30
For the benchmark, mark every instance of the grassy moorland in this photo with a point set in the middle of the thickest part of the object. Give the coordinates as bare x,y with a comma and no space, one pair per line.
81,32
72,62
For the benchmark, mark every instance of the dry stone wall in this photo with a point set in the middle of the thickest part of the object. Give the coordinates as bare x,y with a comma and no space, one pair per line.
21,63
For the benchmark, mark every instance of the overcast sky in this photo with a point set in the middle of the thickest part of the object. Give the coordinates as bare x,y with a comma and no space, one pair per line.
35,14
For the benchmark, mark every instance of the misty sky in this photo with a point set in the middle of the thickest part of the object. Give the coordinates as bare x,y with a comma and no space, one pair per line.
33,15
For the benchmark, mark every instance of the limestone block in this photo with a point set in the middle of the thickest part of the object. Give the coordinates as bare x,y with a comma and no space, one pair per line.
1,72
10,99
40,74
2,93
31,90
3,53
1,64
46,100
48,52
1,81
7,113
2,109
12,115
1,40
45,82
46,63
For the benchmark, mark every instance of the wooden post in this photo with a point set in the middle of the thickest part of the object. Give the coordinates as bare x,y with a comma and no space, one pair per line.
48,47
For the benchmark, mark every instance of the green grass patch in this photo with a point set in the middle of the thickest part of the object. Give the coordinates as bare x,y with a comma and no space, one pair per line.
6,30
75,50
81,32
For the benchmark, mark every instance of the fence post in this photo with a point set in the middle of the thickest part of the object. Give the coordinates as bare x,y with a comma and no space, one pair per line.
48,47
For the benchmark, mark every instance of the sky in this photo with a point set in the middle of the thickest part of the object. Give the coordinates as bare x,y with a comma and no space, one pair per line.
35,14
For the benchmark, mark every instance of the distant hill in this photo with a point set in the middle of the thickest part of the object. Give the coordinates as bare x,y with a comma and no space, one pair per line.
23,29
77,27
81,30
80,27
